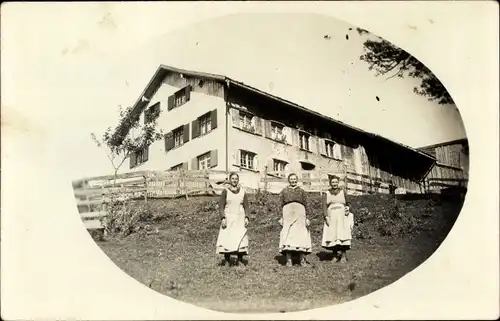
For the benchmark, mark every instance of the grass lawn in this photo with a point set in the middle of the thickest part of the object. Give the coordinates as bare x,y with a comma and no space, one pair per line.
173,252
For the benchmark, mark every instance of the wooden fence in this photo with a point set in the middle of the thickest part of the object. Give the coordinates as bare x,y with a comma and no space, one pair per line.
92,193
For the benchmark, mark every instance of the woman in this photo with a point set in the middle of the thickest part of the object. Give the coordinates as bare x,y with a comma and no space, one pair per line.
338,221
295,237
233,207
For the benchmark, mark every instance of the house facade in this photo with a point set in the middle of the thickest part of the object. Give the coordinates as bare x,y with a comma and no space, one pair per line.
214,122
452,164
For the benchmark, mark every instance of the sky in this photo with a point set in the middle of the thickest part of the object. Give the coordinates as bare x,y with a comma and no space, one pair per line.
284,54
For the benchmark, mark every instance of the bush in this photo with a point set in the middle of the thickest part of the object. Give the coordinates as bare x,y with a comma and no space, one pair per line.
125,217
375,215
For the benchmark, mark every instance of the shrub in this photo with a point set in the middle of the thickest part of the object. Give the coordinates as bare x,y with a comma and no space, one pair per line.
125,217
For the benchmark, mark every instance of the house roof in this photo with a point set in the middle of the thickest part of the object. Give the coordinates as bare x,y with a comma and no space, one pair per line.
164,69
447,143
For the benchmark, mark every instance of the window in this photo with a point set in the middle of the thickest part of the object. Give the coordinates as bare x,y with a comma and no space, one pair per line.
329,146
247,159
279,165
303,141
178,136
246,121
180,98
277,132
205,123
152,113
204,161
139,157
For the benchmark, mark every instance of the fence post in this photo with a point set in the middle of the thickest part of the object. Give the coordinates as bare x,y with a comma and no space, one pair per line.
146,188
265,179
184,185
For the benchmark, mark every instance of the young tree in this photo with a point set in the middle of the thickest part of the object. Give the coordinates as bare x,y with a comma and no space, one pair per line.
385,58
129,136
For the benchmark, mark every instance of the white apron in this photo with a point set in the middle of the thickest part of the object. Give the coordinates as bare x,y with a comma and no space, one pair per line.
233,239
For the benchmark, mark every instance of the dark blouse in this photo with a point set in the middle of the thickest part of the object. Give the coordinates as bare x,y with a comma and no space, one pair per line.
290,195
223,198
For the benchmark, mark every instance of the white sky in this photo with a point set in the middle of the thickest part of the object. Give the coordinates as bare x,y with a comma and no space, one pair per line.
285,54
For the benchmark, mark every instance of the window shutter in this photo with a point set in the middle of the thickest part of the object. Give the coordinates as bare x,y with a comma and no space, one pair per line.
195,127
186,133
185,166
194,164
258,125
236,156
270,165
133,159
187,92
256,162
213,158
145,154
147,112
267,128
288,134
213,115
170,102
236,117
295,136
337,151
322,146
169,141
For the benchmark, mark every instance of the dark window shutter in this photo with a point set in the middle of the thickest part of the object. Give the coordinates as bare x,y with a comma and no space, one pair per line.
213,158
185,166
145,156
195,127
133,159
154,111
147,113
169,141
187,92
186,133
194,164
170,104
213,115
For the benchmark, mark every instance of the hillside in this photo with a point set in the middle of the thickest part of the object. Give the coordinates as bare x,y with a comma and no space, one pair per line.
169,245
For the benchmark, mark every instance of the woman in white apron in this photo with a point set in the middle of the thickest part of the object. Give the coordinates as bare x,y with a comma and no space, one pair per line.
233,207
294,237
339,221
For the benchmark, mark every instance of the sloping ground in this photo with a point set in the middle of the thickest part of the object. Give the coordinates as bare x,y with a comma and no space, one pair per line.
173,251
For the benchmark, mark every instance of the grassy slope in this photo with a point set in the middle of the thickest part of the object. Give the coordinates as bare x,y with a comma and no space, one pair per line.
174,253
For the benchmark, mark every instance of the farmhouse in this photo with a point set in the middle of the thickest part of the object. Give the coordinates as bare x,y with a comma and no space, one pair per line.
214,122
452,164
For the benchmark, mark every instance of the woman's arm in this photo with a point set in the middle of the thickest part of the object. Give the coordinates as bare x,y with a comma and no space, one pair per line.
325,205
282,197
245,204
303,200
222,203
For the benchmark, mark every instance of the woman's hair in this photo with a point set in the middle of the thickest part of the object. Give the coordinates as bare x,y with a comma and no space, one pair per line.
233,174
334,177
